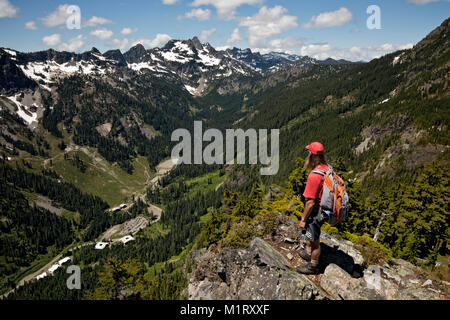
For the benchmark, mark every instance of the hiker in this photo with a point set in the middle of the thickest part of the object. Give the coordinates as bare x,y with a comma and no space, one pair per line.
312,221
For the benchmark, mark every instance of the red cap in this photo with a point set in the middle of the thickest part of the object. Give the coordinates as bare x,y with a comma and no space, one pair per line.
315,148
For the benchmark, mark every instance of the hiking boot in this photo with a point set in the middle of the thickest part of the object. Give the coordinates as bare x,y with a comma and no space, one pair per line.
308,269
304,255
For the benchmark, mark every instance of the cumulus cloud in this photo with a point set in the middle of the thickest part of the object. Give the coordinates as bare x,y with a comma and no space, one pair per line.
226,9
206,34
96,21
330,19
57,17
286,45
52,40
158,41
119,43
102,33
235,36
127,31
73,44
199,14
7,10
266,23
319,51
30,25
323,51
60,16
169,2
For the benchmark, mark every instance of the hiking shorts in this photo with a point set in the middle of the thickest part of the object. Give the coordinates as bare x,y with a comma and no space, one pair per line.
313,225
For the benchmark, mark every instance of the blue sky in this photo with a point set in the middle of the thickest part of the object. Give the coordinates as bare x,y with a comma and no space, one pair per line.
321,28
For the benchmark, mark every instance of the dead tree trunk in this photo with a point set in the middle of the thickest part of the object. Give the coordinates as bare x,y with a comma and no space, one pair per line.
377,230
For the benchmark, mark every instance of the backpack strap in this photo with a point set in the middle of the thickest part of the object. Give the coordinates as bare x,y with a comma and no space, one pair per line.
321,172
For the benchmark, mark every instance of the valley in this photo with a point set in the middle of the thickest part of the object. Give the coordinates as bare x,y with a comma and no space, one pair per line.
85,147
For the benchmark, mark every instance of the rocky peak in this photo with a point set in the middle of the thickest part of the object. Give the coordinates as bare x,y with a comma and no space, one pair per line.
197,44
116,55
135,54
95,50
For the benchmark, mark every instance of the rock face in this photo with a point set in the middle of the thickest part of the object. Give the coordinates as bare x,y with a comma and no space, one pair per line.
257,273
340,285
266,271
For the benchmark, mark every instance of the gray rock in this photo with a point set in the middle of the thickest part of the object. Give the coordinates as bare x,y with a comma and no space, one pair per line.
257,273
260,272
427,283
341,286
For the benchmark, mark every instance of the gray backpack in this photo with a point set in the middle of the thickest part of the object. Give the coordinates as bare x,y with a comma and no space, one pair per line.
334,202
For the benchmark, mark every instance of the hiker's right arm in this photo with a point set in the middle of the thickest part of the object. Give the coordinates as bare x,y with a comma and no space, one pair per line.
308,209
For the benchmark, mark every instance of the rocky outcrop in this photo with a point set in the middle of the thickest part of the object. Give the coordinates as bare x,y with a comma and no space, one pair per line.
257,273
266,271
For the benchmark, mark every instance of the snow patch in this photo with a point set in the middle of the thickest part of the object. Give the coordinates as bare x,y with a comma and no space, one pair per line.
50,70
21,113
190,89
10,52
172,56
208,60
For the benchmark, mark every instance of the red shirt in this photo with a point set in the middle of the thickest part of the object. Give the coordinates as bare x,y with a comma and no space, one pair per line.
314,185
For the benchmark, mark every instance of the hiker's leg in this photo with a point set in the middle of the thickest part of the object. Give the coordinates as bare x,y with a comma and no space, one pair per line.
315,250
308,247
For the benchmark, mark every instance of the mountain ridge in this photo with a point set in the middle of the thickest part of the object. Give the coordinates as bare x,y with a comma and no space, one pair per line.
189,61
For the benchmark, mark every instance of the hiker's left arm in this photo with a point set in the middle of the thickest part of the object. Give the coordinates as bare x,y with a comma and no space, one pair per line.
308,209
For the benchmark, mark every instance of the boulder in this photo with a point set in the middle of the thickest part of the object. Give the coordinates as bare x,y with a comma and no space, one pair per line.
341,285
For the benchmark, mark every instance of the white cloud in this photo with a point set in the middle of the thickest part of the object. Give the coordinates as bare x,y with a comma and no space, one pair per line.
30,25
160,40
266,23
330,19
323,51
234,37
57,17
52,40
119,43
96,21
127,31
169,2
405,46
60,16
319,51
206,34
7,10
226,9
422,2
102,33
286,45
199,14
73,44
222,48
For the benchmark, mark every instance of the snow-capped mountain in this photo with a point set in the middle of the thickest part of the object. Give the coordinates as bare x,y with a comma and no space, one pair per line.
276,61
260,62
189,62
194,63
